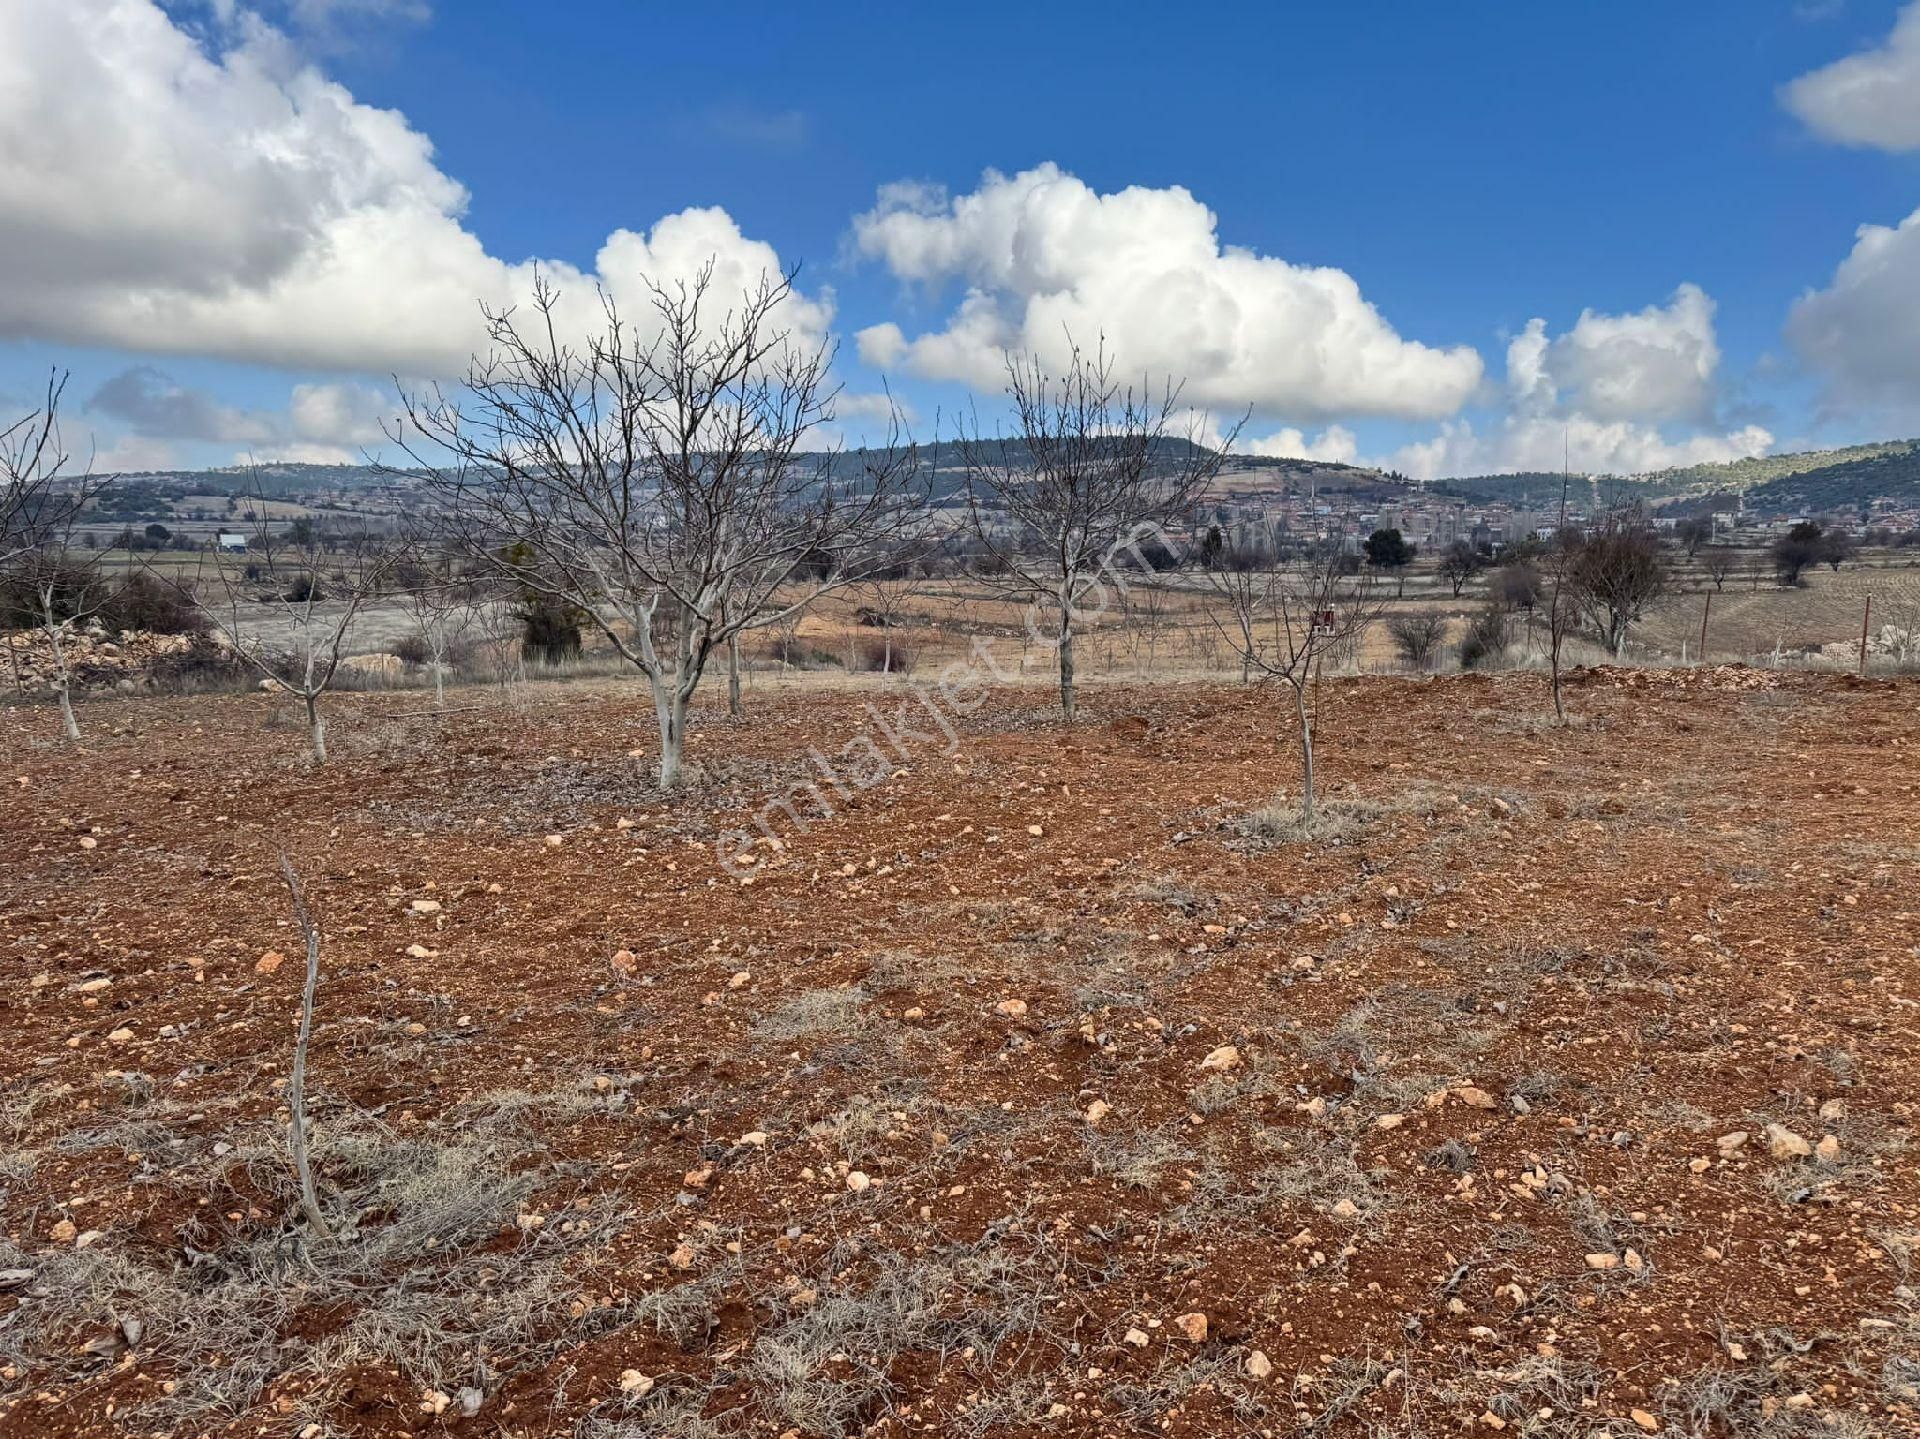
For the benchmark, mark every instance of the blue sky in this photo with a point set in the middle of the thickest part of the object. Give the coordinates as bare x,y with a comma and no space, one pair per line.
1397,191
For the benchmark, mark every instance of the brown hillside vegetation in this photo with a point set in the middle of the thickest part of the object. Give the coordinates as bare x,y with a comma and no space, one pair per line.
1560,1081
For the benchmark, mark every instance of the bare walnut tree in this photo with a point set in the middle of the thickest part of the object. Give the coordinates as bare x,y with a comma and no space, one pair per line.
31,461
1092,468
1616,574
657,485
287,604
48,579
1288,619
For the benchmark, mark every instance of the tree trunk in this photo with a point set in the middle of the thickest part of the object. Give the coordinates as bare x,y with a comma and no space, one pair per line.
439,685
1066,668
1306,754
734,707
316,728
68,724
1555,633
297,1081
670,707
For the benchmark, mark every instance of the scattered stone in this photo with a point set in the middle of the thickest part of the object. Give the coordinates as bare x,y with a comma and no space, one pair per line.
1390,1121
755,1138
1193,1325
425,906
1222,1060
1098,1111
633,1382
1828,1149
1603,1261
1258,1365
64,1231
269,962
420,951
1473,1097
1783,1143
740,979
1137,1338
1012,1008
857,1181
1730,1144
1646,1421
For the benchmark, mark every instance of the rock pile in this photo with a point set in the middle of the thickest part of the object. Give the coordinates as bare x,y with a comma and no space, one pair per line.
96,658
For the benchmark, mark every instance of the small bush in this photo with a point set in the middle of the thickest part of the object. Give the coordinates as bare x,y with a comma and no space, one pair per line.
883,658
1484,644
1418,637
798,655
549,630
305,590
203,664
144,603
412,650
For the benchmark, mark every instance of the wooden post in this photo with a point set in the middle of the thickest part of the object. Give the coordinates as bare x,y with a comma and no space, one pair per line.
1866,618
1705,610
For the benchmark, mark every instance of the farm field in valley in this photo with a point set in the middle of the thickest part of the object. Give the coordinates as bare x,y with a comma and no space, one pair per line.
1560,1080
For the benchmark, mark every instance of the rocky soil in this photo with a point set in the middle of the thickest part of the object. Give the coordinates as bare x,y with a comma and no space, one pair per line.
97,659
1558,1081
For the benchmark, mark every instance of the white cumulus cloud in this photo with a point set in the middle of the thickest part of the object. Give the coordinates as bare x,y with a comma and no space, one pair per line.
167,193
1870,99
1863,330
1044,256
1655,364
1596,397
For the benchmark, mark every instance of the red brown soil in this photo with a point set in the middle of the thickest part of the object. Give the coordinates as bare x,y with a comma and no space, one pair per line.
1694,912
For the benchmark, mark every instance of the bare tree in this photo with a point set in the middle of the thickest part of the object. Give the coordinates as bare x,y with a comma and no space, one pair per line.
885,594
297,1079
1558,610
657,485
1616,574
1417,637
1153,604
31,462
1316,608
52,582
444,606
62,587
311,589
1092,470
1235,565
1720,562
1460,562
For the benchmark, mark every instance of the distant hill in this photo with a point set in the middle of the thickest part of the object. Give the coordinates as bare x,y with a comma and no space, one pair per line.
1811,480
1740,476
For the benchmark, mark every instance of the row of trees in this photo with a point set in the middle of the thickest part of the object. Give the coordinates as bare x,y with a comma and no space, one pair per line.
662,485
